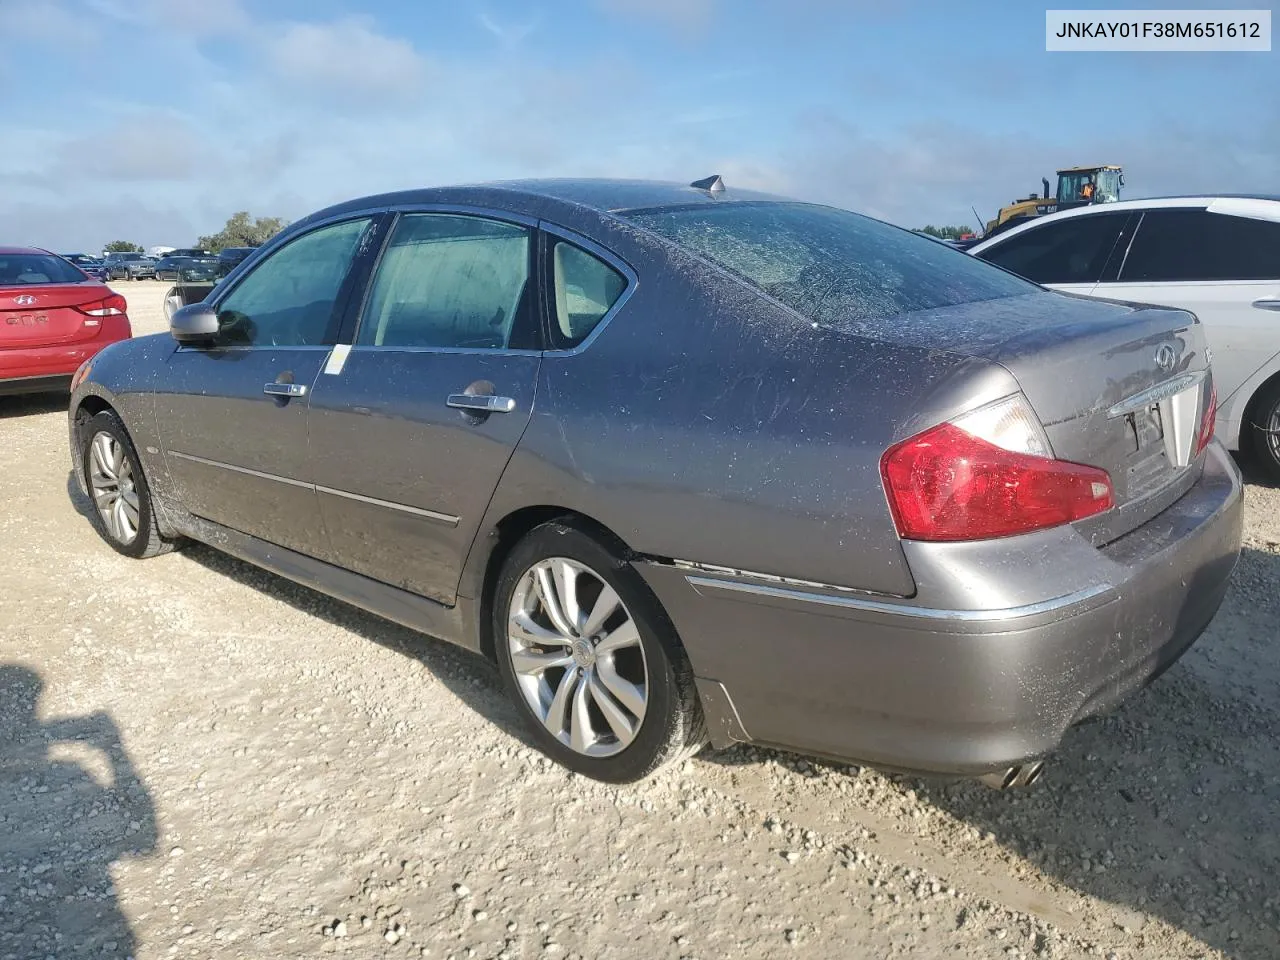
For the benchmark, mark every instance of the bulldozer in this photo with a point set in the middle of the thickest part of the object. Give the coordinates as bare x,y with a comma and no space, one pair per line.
1077,187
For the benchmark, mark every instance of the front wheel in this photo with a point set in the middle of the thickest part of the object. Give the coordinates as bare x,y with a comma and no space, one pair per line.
123,513
591,659
1263,426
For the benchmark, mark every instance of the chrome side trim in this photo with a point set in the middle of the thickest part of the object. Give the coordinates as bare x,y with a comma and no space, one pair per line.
1153,395
753,575
245,470
901,609
448,518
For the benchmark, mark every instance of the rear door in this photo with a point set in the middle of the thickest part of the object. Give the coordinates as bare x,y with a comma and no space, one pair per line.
1070,254
1223,268
412,429
233,415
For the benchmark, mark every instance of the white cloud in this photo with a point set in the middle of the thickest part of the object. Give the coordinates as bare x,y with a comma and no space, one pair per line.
49,22
147,147
690,16
347,59
195,18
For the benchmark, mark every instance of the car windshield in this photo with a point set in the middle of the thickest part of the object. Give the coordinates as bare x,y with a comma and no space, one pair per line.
829,265
19,269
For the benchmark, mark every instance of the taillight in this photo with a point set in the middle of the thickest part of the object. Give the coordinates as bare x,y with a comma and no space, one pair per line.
989,473
1208,421
112,306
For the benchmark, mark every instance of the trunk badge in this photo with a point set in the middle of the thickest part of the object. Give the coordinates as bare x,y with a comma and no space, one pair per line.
1166,357
25,300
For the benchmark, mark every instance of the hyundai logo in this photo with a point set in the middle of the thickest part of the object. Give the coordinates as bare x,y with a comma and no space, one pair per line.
1166,357
25,300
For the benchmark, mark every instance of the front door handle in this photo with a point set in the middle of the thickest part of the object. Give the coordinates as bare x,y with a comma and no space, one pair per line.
285,389
1268,303
481,403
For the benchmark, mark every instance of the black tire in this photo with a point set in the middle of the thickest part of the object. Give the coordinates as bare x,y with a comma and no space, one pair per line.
146,541
672,726
1263,419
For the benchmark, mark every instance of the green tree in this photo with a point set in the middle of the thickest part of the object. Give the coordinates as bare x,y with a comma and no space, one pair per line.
122,246
241,230
945,233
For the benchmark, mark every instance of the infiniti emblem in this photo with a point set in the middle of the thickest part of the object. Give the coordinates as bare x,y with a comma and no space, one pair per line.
1166,356
25,300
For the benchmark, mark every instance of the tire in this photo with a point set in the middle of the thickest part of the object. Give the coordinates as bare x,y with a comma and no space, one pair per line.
643,686
113,466
1263,424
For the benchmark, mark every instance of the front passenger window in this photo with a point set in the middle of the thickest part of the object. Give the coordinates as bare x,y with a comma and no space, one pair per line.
1072,250
289,299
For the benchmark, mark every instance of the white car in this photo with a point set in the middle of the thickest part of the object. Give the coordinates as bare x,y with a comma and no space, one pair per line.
1218,256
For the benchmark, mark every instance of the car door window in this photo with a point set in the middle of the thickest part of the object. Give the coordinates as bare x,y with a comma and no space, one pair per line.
586,288
1196,245
1072,250
289,299
448,281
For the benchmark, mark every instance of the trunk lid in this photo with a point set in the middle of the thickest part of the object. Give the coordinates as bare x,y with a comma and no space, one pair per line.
45,314
1116,385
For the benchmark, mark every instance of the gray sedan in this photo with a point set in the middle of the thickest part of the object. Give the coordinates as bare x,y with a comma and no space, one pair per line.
692,464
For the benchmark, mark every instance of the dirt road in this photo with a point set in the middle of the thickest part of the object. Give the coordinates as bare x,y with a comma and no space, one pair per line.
198,759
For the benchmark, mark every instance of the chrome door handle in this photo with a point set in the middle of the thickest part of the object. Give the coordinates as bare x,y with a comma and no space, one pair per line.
285,389
481,403
1268,303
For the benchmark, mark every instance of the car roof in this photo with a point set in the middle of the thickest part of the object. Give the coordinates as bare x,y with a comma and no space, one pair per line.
600,195
7,251
1254,205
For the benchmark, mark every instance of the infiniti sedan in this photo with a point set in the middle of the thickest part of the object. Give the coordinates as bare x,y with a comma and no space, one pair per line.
691,464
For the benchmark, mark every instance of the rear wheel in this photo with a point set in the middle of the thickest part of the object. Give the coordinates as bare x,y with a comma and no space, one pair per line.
122,513
1263,425
590,658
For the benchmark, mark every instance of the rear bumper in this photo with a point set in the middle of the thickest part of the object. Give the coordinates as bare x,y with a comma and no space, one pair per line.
962,688
24,369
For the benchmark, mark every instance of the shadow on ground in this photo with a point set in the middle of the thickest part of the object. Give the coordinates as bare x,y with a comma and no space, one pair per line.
61,828
30,404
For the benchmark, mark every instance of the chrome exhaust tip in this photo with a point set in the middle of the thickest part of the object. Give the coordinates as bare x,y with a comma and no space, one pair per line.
1021,775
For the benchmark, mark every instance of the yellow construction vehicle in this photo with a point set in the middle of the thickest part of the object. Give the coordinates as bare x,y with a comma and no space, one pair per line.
1077,186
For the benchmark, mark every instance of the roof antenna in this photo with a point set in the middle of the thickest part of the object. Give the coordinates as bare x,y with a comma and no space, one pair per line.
712,184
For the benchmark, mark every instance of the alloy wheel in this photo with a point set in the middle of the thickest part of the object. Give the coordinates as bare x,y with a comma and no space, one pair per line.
577,657
1273,433
114,491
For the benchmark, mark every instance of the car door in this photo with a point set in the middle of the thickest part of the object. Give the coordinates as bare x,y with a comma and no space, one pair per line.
1067,253
1222,267
412,429
232,415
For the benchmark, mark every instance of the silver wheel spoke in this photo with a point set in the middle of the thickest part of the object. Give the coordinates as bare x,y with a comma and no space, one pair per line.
624,636
626,692
551,602
130,512
603,609
523,627
581,735
557,711
102,457
614,715
114,494
117,458
131,498
534,664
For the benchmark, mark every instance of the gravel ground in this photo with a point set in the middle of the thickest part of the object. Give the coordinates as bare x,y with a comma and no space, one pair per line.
198,759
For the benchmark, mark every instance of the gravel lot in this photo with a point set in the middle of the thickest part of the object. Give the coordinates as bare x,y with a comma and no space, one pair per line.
198,759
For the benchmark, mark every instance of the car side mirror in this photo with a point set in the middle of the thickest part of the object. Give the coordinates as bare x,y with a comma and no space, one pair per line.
194,323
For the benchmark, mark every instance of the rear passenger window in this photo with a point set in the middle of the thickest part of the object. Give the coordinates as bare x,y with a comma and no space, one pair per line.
1072,250
1191,245
586,288
451,282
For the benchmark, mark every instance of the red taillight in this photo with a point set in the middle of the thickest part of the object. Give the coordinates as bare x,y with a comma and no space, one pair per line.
112,306
1208,421
947,484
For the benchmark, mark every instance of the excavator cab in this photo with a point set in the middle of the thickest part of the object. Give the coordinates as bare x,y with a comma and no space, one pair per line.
1078,186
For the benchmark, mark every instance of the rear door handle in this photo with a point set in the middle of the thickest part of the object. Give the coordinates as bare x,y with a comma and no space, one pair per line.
481,403
285,389
1268,303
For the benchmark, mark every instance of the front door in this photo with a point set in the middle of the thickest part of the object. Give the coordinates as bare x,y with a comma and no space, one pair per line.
411,432
233,415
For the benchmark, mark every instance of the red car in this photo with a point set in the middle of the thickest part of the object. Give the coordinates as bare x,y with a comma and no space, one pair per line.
53,317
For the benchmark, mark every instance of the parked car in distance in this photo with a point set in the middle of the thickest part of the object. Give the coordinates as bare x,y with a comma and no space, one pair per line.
129,266
183,269
690,463
93,266
1216,256
53,317
231,256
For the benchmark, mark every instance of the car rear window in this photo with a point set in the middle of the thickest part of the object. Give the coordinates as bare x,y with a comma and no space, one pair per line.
829,265
19,269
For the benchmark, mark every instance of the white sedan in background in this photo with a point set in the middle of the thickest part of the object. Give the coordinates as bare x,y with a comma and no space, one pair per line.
1218,256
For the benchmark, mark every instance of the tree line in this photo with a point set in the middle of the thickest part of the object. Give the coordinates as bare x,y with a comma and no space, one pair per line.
240,230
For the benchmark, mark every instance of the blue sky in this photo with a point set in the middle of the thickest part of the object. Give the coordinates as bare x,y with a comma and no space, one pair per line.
154,120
